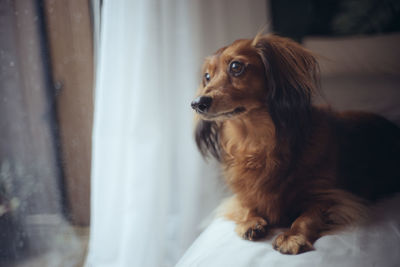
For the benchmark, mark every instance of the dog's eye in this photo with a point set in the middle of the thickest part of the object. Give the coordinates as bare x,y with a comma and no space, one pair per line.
207,77
236,68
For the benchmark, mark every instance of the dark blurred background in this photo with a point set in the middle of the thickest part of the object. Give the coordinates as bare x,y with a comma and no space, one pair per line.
297,19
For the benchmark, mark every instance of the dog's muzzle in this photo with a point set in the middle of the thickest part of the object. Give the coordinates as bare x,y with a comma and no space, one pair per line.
201,104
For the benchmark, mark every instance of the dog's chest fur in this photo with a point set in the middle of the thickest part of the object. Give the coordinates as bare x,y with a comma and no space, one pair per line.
248,155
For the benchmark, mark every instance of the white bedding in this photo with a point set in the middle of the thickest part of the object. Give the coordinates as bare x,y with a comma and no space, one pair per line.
374,244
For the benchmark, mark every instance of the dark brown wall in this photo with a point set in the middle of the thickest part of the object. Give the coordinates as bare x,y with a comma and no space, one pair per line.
71,51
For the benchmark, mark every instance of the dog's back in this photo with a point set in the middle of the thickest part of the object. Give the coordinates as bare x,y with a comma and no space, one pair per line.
368,155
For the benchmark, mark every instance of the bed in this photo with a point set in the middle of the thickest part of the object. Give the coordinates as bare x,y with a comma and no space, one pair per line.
374,244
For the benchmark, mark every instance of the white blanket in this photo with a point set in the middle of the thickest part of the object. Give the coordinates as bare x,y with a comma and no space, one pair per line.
376,243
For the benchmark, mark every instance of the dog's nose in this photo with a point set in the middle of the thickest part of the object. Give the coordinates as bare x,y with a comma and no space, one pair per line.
202,103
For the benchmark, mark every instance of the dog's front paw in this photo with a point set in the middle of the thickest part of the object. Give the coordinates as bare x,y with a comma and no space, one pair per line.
253,229
287,243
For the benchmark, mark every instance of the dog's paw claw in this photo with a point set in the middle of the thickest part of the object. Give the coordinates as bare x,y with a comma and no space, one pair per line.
252,231
255,233
287,243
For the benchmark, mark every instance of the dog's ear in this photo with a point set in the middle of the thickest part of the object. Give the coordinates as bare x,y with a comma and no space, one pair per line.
291,73
207,138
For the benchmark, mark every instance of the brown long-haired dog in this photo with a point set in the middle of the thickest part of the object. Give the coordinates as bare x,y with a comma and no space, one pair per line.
289,163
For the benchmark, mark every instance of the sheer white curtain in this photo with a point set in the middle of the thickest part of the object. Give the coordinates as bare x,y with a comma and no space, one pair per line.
150,188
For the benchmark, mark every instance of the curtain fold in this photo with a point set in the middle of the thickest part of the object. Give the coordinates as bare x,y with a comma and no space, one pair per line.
151,190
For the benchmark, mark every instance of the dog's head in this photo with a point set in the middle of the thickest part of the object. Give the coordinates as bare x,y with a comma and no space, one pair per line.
233,82
268,72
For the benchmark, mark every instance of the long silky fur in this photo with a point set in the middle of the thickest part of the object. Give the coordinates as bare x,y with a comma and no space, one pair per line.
207,139
292,75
